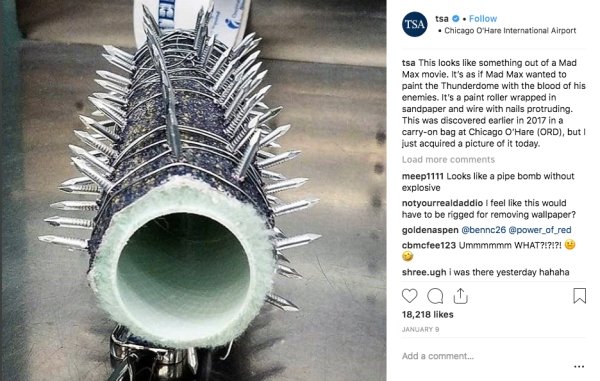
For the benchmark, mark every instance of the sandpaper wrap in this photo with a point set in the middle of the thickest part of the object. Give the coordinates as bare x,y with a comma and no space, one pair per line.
183,246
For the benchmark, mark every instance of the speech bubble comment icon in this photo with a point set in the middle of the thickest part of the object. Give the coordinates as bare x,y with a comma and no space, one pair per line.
435,296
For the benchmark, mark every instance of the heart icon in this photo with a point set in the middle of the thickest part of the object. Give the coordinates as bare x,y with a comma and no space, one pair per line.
409,294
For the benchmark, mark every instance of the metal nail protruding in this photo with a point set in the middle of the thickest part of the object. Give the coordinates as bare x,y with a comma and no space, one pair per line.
292,207
72,243
249,156
285,185
278,159
110,76
67,222
275,134
95,143
84,168
299,240
281,303
76,205
288,272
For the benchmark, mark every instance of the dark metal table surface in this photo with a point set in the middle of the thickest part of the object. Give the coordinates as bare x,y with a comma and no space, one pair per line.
52,327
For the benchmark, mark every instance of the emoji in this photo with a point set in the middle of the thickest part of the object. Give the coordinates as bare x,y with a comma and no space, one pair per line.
408,255
570,244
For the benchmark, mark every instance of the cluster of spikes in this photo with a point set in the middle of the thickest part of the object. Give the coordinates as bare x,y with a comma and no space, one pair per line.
234,77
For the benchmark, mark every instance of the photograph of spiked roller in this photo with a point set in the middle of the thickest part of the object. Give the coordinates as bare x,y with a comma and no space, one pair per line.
178,162
326,62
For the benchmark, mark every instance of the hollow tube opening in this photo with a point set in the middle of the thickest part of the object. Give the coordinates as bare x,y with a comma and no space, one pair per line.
183,274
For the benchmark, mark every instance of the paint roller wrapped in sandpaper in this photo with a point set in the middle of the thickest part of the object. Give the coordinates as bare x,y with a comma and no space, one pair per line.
184,246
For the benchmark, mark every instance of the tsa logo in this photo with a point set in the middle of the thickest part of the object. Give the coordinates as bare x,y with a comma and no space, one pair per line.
414,24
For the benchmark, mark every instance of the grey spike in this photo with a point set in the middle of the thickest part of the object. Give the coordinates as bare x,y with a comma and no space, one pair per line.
259,111
103,105
114,113
92,189
288,272
278,159
292,207
173,135
230,88
150,21
252,71
281,258
257,81
251,102
106,123
113,98
95,143
72,223
75,205
192,360
210,9
97,113
274,135
299,240
281,303
240,139
172,126
285,185
253,44
72,243
96,126
225,75
272,113
273,200
278,233
247,62
98,136
156,52
111,87
264,155
118,79
84,168
112,50
99,154
118,62
207,51
273,145
83,180
262,106
235,84
220,61
241,80
81,153
239,47
245,111
272,175
237,100
249,156
200,31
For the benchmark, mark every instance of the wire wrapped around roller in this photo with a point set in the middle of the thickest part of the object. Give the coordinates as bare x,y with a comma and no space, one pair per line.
184,246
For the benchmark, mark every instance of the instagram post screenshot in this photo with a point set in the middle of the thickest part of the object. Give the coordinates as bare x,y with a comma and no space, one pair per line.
492,184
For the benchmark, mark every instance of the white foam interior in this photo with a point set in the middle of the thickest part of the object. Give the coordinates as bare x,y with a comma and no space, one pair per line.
184,265
184,268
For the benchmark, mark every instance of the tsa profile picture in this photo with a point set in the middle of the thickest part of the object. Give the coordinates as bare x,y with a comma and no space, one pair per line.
414,24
